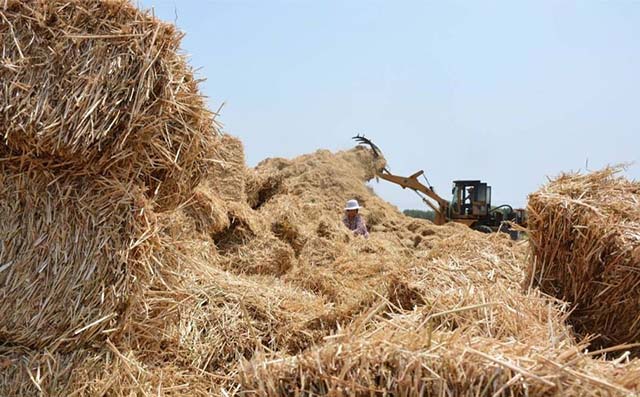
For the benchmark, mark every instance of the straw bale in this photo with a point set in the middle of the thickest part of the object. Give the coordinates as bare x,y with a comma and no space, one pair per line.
99,85
112,372
261,255
227,173
262,186
584,230
71,248
208,211
244,226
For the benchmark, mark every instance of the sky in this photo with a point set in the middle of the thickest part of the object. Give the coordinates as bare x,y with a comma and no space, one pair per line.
507,92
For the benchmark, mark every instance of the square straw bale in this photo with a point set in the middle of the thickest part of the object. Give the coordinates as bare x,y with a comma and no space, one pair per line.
71,249
101,85
584,233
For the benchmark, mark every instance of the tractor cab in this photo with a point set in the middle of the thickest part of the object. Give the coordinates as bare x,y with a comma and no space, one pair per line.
520,217
471,199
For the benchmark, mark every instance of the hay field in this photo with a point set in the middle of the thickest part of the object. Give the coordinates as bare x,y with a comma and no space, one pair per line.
139,256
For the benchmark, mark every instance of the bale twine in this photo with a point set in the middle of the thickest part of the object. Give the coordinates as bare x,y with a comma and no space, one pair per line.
585,236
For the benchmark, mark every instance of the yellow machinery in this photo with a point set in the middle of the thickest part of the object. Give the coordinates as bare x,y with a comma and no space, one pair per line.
470,204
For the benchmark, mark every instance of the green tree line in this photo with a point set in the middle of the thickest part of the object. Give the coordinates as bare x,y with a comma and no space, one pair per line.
430,215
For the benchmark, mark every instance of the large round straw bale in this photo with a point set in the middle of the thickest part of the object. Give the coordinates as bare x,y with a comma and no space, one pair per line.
584,230
99,85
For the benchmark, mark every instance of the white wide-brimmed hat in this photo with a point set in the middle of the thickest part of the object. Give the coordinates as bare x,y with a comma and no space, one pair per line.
352,205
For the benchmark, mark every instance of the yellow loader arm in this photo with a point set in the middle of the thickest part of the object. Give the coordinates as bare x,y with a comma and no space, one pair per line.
441,207
413,183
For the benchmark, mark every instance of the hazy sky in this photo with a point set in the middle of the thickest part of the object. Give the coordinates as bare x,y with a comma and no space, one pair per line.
503,91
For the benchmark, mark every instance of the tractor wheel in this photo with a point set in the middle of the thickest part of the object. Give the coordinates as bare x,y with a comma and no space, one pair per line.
483,229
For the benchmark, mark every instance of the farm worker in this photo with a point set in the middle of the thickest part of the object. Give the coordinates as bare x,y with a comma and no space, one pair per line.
353,221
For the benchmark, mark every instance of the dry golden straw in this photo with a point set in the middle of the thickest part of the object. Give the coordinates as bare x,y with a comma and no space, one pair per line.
585,238
140,257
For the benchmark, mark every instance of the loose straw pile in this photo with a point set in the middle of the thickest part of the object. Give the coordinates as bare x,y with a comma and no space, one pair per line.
468,330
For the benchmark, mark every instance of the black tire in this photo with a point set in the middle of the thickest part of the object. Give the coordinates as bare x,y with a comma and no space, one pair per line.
483,229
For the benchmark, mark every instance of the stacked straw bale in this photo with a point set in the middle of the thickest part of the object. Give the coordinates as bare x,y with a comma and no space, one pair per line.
102,127
69,253
585,238
99,87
